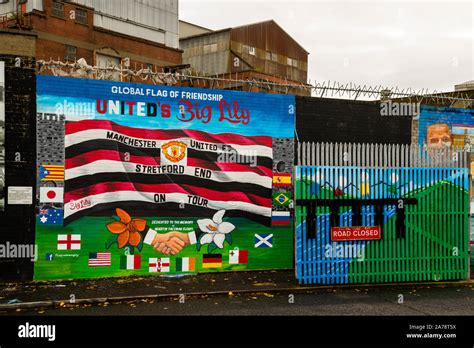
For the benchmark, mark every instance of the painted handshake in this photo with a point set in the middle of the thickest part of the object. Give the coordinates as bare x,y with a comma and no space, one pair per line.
170,243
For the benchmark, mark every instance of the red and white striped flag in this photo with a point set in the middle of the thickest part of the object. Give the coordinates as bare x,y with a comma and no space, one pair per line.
110,165
99,259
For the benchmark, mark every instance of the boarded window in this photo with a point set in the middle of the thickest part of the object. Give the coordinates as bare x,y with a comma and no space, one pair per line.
109,67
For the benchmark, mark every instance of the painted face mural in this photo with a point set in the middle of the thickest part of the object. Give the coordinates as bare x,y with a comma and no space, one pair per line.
439,136
161,180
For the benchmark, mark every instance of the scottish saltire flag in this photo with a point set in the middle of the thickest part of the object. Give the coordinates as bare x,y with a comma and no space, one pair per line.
51,216
51,172
264,240
110,165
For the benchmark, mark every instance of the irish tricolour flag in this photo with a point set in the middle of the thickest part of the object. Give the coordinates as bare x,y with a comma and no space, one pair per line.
185,264
130,262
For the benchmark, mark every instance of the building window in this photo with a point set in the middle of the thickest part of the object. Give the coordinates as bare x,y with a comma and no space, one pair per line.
271,56
210,48
81,16
58,8
292,62
248,49
71,52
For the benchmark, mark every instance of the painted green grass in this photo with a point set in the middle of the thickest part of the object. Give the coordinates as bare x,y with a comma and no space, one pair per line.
94,236
435,246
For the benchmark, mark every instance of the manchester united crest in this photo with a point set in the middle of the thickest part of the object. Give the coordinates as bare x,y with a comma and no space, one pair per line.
174,151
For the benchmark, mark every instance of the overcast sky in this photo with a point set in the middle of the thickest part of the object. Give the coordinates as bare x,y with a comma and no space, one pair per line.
427,44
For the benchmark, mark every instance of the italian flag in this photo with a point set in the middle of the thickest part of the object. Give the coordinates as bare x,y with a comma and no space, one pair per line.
130,262
185,264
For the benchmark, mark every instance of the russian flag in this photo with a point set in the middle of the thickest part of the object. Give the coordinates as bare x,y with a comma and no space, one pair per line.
280,217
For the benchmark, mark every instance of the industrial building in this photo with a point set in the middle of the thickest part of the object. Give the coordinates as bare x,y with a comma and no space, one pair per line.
132,34
261,52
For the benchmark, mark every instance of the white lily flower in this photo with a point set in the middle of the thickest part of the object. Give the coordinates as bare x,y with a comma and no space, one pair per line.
215,229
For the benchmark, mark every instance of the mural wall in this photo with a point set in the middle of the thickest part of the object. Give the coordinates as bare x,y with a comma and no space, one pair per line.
140,179
445,127
369,225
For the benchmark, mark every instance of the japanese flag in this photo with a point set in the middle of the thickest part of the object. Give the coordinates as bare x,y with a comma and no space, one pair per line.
51,194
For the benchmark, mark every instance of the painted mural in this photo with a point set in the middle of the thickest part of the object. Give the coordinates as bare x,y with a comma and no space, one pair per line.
369,225
146,180
445,127
441,127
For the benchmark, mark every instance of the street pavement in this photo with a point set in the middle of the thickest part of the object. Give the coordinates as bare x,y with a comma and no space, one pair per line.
387,300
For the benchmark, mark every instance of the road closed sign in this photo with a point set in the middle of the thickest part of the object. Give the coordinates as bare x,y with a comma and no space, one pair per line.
355,233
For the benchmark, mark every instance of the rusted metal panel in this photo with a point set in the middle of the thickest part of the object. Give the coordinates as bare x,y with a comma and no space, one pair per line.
268,48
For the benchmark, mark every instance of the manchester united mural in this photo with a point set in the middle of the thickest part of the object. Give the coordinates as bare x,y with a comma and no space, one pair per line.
160,180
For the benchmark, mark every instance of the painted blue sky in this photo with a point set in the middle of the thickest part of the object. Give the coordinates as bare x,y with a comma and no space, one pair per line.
269,113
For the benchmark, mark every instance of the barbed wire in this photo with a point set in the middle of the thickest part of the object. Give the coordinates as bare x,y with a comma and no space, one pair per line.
81,69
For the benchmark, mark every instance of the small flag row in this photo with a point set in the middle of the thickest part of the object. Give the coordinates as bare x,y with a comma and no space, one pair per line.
162,264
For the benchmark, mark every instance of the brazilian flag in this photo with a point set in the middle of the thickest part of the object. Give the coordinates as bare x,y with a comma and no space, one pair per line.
281,198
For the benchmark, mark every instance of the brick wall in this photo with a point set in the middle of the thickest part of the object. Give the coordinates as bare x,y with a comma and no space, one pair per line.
17,221
55,32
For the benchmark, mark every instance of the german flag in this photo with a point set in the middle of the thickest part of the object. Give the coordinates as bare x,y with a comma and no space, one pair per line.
211,260
281,179
51,172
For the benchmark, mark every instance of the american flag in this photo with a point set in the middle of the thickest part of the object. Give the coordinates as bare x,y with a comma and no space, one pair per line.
99,259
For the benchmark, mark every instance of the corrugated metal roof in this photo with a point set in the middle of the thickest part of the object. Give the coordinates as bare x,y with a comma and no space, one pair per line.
154,20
